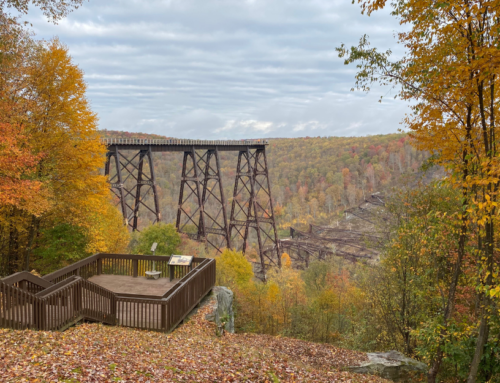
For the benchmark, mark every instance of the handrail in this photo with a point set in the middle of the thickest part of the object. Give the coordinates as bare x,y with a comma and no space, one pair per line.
57,286
70,268
26,276
174,288
94,258
140,141
186,278
17,290
141,257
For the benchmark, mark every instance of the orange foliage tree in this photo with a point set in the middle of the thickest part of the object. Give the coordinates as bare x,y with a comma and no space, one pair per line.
55,154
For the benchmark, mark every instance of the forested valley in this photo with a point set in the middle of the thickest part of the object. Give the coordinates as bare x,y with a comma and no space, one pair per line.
313,179
431,292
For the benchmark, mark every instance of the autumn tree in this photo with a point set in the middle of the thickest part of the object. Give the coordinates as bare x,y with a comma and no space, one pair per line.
165,235
43,94
53,9
449,72
20,192
233,269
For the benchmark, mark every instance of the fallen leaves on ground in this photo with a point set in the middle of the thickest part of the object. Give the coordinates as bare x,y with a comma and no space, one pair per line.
98,353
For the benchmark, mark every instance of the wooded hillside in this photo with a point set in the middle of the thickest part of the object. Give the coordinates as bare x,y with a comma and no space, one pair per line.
313,179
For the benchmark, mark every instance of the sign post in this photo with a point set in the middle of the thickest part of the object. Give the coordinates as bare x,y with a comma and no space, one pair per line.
153,274
179,260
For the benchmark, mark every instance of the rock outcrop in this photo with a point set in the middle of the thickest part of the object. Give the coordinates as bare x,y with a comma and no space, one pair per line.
221,301
389,365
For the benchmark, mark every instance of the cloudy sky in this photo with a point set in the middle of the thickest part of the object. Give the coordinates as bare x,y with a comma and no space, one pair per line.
217,69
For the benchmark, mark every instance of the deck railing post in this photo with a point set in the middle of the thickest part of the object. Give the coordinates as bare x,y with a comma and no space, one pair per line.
113,309
99,266
41,315
135,266
77,298
171,272
36,314
164,317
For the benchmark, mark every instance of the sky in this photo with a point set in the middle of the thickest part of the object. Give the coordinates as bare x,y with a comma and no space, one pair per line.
227,69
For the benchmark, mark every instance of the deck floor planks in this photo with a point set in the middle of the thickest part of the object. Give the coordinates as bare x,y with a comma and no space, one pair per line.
125,284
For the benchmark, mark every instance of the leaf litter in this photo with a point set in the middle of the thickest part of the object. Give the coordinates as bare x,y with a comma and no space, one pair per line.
192,353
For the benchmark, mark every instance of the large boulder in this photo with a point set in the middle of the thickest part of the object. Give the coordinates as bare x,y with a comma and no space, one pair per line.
390,365
221,301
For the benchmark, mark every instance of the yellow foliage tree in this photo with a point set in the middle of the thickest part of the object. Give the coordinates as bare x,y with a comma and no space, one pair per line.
286,289
233,270
61,130
450,72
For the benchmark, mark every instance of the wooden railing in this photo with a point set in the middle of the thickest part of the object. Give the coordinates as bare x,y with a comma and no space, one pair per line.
65,297
27,281
188,293
17,307
120,264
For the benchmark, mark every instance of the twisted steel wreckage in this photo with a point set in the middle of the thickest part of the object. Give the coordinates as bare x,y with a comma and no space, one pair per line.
251,215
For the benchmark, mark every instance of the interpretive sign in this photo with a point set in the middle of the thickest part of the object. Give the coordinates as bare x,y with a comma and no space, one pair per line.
180,260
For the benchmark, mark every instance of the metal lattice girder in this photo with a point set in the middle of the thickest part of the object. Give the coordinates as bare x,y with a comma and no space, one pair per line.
202,206
190,218
252,207
131,182
214,203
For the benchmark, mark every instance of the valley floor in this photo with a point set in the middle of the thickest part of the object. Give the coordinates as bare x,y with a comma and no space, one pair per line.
98,353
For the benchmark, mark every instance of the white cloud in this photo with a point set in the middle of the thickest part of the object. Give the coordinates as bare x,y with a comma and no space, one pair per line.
233,127
226,68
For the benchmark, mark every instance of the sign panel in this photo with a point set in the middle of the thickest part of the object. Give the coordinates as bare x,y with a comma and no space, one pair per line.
180,260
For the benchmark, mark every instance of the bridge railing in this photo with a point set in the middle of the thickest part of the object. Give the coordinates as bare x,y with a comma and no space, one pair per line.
138,141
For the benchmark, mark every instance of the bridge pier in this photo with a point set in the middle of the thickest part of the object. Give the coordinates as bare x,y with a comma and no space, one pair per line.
190,222
252,207
214,203
209,220
127,183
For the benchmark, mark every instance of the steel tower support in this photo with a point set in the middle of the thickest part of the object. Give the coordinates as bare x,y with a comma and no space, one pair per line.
214,202
202,208
129,190
252,207
190,217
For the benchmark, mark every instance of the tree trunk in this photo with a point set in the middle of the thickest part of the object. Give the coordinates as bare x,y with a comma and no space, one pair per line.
448,311
484,327
12,251
31,236
482,338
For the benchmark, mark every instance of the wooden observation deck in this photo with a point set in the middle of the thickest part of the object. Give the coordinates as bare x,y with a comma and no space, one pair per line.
108,288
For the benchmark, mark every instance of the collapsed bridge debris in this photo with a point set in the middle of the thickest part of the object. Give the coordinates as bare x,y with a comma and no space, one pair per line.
355,238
